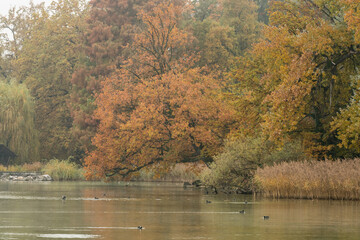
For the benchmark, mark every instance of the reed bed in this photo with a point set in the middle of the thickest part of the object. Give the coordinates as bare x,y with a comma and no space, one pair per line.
311,180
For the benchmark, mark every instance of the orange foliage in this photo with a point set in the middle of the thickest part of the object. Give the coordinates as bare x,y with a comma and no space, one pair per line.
158,109
175,118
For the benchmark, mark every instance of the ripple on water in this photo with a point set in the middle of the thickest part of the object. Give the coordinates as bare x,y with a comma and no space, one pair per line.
55,235
20,197
83,236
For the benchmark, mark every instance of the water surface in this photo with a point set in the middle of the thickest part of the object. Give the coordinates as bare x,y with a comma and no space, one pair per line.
32,210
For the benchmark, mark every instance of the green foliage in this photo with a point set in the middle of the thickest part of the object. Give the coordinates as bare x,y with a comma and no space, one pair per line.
17,122
45,62
224,30
291,151
236,165
298,76
347,123
63,170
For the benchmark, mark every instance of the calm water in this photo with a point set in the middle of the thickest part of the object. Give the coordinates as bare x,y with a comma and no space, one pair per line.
166,211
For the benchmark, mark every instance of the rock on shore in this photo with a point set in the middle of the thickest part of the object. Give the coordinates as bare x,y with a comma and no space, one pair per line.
16,176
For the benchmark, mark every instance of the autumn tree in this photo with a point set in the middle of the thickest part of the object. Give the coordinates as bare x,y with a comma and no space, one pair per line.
158,108
111,25
298,77
17,122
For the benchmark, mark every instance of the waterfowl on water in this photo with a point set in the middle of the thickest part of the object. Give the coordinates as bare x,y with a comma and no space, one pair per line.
140,227
63,197
207,201
266,217
96,198
242,211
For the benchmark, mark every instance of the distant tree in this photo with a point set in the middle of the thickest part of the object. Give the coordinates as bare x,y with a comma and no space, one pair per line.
263,6
45,63
224,30
17,122
15,28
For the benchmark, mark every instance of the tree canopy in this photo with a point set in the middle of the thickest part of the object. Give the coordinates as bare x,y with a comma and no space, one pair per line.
299,76
158,109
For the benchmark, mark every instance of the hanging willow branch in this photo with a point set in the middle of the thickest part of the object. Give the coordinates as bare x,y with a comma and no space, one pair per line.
17,127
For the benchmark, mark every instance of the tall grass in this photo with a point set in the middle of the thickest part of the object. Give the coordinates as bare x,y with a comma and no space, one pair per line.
63,170
311,180
27,167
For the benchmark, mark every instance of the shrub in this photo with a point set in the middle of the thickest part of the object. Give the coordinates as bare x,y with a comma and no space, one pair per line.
235,166
63,170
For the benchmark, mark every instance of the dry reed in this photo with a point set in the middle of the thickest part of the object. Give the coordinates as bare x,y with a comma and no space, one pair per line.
27,167
311,180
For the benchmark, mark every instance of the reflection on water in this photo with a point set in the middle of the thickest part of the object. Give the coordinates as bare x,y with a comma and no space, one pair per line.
165,211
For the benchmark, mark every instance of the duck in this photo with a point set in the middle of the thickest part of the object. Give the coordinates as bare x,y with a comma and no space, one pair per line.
242,211
266,217
140,227
63,197
96,198
208,201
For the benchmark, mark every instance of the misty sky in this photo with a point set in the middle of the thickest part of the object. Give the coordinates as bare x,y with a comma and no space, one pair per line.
5,5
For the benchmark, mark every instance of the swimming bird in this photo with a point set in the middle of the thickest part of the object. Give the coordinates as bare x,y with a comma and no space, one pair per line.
242,211
63,197
245,202
266,217
207,201
140,227
96,198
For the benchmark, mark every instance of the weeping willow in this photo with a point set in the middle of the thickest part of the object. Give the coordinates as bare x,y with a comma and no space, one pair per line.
17,122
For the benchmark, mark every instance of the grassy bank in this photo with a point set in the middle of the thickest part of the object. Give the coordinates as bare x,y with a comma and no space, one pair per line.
311,180
64,170
59,170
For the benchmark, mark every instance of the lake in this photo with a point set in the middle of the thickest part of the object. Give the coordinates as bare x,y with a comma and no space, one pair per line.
33,210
